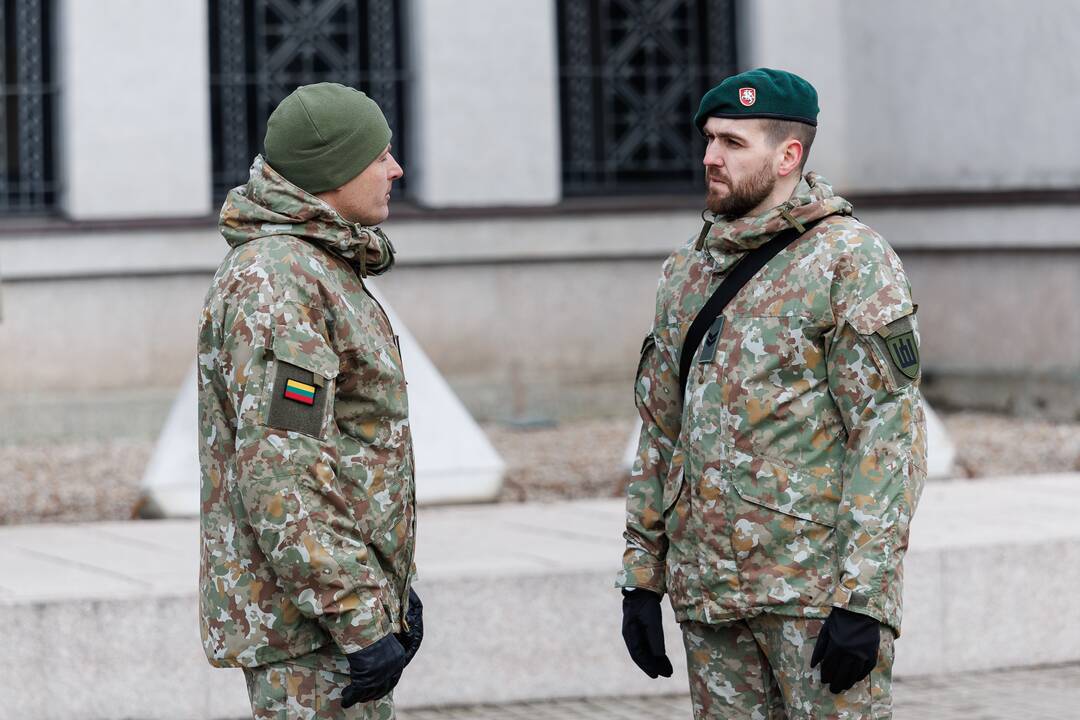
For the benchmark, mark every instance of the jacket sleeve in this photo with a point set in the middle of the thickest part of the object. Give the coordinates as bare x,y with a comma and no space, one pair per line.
286,470
877,394
658,402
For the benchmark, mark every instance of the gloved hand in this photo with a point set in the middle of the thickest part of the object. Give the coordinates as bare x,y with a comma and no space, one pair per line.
847,648
411,638
643,633
375,671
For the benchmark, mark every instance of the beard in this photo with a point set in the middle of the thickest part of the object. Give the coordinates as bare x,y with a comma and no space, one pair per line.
743,196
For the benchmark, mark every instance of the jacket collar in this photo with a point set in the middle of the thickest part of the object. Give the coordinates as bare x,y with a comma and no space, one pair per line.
271,205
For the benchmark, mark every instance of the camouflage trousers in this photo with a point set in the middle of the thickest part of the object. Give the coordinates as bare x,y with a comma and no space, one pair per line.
760,668
309,688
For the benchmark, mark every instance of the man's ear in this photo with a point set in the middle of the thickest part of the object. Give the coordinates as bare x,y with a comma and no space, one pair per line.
791,159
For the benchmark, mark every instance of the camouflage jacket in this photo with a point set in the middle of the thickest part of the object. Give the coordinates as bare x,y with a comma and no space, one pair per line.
308,517
785,479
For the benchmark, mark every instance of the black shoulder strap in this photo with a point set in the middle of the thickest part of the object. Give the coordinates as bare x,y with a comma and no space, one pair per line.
747,268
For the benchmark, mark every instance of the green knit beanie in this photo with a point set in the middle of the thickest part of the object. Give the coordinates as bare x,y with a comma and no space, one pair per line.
323,135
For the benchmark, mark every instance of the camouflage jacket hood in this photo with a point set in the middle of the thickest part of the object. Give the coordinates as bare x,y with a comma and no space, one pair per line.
271,205
812,200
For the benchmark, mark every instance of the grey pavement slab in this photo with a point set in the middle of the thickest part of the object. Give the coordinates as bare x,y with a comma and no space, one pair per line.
519,604
1047,693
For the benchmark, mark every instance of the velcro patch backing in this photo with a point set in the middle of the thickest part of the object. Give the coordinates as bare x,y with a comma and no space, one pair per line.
298,401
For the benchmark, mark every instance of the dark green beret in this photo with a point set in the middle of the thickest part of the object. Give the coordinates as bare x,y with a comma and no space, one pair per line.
760,93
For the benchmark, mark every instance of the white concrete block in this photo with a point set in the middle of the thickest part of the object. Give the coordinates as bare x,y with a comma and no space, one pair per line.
135,128
455,462
940,449
921,646
540,636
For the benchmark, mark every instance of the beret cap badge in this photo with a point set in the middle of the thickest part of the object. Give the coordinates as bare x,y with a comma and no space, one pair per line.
760,93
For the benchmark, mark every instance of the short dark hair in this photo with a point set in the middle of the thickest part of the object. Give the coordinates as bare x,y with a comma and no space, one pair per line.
777,131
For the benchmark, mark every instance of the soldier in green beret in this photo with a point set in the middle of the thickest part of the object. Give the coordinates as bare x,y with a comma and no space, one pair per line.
783,449
308,518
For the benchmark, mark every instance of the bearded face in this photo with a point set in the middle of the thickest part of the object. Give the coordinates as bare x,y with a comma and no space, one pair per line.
736,197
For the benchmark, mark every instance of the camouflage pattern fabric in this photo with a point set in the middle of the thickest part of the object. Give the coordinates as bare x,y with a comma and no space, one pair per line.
308,516
309,688
759,668
785,480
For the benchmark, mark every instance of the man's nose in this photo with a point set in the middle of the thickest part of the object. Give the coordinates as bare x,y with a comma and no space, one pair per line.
712,157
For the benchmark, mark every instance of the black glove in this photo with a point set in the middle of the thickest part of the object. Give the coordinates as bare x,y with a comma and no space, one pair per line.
411,638
847,648
374,671
643,633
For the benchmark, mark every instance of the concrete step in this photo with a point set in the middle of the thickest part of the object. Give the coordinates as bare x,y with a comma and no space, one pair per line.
102,618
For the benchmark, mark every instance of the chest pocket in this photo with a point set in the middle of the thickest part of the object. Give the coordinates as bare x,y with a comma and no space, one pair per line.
301,394
772,349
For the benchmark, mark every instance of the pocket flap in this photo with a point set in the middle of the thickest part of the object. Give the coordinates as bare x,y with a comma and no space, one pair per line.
787,491
310,352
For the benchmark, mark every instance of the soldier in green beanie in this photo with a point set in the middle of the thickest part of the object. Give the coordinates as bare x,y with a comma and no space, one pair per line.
783,445
308,517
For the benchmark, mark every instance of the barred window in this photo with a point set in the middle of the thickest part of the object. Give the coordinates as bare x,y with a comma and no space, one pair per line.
28,110
631,75
261,50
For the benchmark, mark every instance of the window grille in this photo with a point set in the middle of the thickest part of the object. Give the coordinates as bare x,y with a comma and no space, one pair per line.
261,50
631,75
28,108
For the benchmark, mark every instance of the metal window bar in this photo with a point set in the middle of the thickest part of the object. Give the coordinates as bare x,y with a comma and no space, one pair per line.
28,99
261,50
631,75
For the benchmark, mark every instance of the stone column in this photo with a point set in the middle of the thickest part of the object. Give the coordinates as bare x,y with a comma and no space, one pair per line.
135,118
485,102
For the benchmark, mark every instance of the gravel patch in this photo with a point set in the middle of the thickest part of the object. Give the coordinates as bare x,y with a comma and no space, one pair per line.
583,459
90,481
81,482
580,459
989,445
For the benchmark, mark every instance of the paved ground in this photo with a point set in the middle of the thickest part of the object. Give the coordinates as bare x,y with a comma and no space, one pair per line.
1048,693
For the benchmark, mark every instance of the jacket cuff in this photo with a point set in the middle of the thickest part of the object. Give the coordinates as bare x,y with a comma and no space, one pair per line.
357,629
646,577
860,602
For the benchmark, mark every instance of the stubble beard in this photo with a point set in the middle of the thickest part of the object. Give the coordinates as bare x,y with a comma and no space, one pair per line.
743,196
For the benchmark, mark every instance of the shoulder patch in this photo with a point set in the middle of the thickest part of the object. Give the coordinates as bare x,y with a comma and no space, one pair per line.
901,349
903,346
298,401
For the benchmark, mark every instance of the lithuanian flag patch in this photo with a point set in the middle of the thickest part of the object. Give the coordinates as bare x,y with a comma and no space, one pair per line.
300,392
